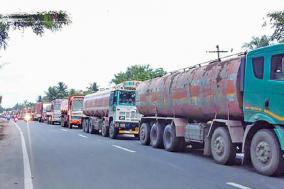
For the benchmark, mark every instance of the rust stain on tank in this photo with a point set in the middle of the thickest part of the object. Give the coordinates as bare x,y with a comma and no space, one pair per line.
198,93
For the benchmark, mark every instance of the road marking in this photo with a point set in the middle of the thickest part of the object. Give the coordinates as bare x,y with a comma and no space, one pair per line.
123,148
27,167
237,185
82,136
64,130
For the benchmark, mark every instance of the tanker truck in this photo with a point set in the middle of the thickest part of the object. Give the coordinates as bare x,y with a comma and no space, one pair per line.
72,111
55,116
46,112
38,111
112,111
223,107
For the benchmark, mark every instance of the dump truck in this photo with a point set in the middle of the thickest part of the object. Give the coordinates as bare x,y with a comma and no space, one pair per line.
112,111
55,116
38,111
223,107
72,111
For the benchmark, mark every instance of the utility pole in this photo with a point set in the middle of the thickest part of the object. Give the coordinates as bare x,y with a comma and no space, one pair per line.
218,51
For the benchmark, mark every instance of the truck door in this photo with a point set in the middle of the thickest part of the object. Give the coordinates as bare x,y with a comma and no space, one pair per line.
254,86
274,104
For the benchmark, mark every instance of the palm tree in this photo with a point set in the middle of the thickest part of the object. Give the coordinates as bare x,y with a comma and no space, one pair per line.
62,90
257,42
51,93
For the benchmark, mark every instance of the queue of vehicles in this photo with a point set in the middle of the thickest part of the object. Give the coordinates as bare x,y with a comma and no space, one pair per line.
228,106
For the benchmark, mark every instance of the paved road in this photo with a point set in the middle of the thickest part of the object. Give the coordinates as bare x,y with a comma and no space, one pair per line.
60,158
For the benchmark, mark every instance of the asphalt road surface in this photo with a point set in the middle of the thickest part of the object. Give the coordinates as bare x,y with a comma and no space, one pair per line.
41,156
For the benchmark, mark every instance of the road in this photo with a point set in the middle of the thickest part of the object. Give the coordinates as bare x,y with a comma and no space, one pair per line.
60,158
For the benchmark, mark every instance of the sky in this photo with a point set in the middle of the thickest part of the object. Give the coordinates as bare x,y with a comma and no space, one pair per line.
107,36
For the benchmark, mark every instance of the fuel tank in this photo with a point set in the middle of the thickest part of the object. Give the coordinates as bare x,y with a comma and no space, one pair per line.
97,104
200,93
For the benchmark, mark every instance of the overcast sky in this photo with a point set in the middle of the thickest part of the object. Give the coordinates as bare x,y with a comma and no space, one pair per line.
107,36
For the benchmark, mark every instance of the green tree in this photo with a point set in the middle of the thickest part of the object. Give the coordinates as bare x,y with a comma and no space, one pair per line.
73,92
276,20
257,42
93,87
39,98
139,73
62,90
51,93
51,20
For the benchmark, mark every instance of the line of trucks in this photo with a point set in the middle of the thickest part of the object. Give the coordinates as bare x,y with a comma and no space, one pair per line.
229,106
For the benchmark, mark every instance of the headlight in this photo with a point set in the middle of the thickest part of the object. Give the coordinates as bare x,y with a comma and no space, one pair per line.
27,117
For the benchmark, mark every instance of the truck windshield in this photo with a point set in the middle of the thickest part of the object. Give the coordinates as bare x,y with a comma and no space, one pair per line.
56,106
277,67
127,98
77,105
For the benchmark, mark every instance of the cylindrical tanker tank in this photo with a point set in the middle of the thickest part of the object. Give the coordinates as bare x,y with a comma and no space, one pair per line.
201,93
97,104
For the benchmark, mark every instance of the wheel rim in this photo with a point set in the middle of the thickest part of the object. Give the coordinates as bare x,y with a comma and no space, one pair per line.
263,152
154,133
168,137
219,145
142,133
103,130
111,130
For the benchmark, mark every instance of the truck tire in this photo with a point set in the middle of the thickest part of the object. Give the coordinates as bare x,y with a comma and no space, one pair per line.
156,135
105,130
171,142
113,131
91,128
62,123
144,134
84,125
70,126
265,153
222,148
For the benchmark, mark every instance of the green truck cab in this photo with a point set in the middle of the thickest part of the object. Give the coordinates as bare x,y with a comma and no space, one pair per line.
263,107
264,88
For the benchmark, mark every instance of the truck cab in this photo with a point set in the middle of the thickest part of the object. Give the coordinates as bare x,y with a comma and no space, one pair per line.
122,110
55,112
264,85
72,111
263,97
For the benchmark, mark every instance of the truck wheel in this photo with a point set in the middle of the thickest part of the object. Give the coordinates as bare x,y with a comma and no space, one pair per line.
171,142
91,128
84,125
105,130
70,126
222,148
144,134
265,153
112,131
156,135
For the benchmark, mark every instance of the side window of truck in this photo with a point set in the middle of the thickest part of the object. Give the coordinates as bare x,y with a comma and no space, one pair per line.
258,65
277,67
